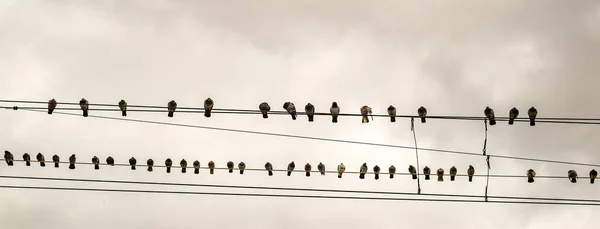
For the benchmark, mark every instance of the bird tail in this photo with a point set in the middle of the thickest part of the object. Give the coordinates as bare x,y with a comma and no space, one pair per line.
492,121
423,120
511,121
393,119
230,170
339,175
265,115
440,179
361,176
376,176
414,176
55,165
27,163
573,180
334,119
170,114
124,113
531,122
289,173
10,163
241,171
451,178
43,164
365,119
196,171
391,176
207,113
96,167
72,166
323,173
183,170
50,111
530,180
149,168
212,171
85,113
470,178
270,173
592,180
133,167
168,169
427,177
311,118
307,174
293,116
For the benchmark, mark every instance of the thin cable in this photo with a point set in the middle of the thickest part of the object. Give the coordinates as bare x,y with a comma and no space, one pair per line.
485,140
412,128
487,182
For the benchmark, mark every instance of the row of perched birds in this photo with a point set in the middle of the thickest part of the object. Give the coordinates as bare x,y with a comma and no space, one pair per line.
571,174
309,109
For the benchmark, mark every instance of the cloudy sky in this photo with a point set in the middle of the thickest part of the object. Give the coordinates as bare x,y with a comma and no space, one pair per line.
454,57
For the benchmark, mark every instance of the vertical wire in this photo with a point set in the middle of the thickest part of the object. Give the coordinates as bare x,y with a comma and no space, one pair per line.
485,140
487,159
412,128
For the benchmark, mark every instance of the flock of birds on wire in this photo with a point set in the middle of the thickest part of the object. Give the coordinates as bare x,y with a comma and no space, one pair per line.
309,109
341,168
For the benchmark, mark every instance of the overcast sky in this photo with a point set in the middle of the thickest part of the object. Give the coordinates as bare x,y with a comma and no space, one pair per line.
453,57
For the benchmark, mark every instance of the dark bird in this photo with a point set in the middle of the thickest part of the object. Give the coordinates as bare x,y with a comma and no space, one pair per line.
363,171
8,157
208,106
512,115
51,105
290,168
171,107
196,167
489,114
422,112
453,172
572,176
532,113
440,174
335,111
392,171
40,158
593,175
56,160
427,172
183,164
413,172
230,166
364,112
376,170
132,162
310,112
123,107
269,168
307,169
530,176
470,173
168,164
291,109
264,109
321,168
27,159
110,161
242,167
211,167
84,106
150,164
72,160
341,168
392,112
96,162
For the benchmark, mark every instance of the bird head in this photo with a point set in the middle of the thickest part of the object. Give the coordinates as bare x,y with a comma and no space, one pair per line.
334,104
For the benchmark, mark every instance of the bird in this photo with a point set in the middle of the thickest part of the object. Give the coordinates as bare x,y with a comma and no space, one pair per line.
422,112
321,168
211,167
96,162
27,159
376,170
307,169
593,175
230,166
40,158
183,164
290,168
335,111
363,171
168,164
470,173
242,167
310,112
269,168
110,161
530,175
56,160
264,109
413,172
572,175
453,172
532,113
440,174
72,160
196,167
341,168
392,112
208,106
132,162
83,103
150,164
489,114
51,106
290,108
8,157
123,107
427,172
171,107
392,171
512,115
365,111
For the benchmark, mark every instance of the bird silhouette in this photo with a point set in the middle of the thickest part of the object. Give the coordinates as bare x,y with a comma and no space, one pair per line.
264,109
132,162
83,103
470,173
208,106
150,164
123,107
9,158
321,168
171,107
110,161
307,169
530,176
51,106
269,168
412,171
96,162
453,172
168,164
572,176
56,160
242,167
593,175
363,171
290,168
422,112
489,114
376,170
40,158
72,160
230,166
440,174
392,171
211,167
392,113
291,109
183,164
512,115
27,159
310,112
341,168
364,112
196,167
532,113
335,111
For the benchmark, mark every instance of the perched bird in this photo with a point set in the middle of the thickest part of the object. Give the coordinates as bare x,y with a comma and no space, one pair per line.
211,167
208,106
392,112
489,114
183,164
290,168
40,158
512,115
365,111
413,172
196,167
56,160
335,111
123,107
291,109
110,161
132,162
321,168
84,106
593,175
51,106
470,173
376,170
440,174
8,157
171,107
363,171
72,160
572,175
96,162
264,109
269,168
453,172
427,172
392,171
310,111
168,164
242,167
341,168
530,175
27,159
422,112
230,166
150,164
307,169
532,113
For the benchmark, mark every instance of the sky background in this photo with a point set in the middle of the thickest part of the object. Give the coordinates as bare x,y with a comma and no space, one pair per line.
453,57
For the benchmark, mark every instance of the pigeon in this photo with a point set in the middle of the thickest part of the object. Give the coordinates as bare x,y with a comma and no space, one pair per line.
573,176
341,168
269,168
321,168
307,169
392,171
422,112
40,158
183,164
440,174
123,107
290,168
310,111
230,166
427,172
470,173
56,160
27,159
168,164
489,114
376,170
593,175
110,161
512,115
532,113
84,106
96,162
242,167
530,176
264,109
72,160
413,172
208,106
392,112
211,167
51,106
171,107
196,167
335,111
365,111
291,109
132,162
150,164
453,172
363,171
8,157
